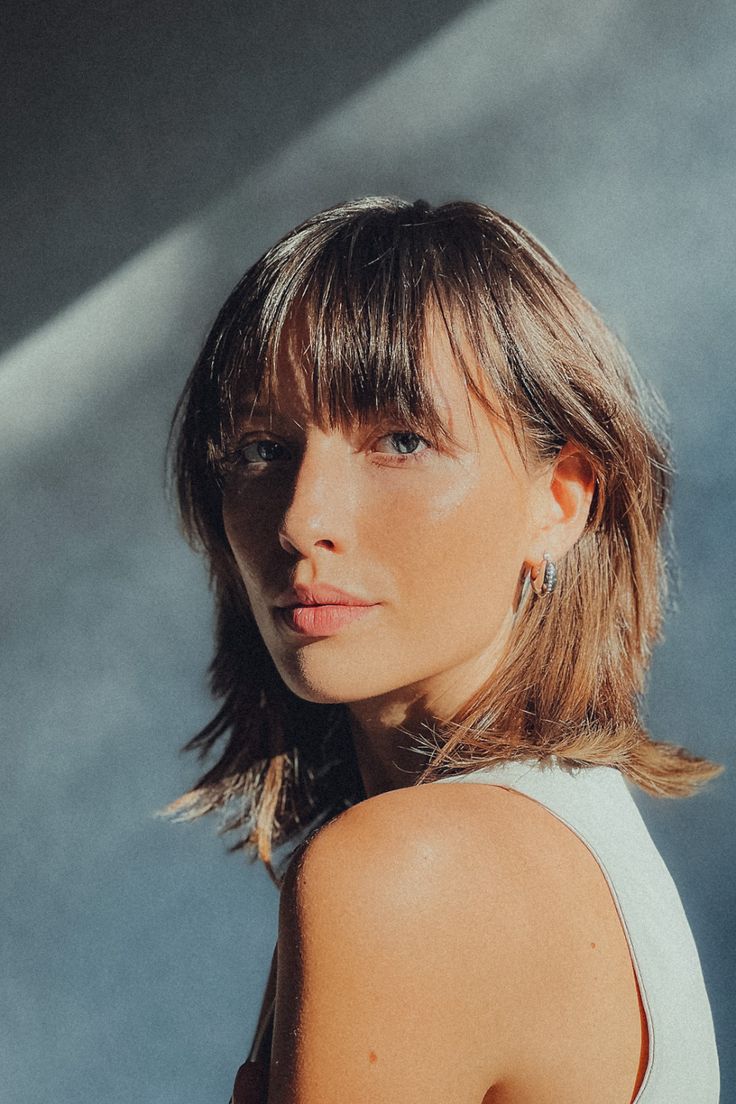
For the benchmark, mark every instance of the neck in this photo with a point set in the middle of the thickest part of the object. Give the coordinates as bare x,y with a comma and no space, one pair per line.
387,731
383,735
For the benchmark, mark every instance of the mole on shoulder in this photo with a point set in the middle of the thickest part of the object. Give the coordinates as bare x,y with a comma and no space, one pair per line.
372,1056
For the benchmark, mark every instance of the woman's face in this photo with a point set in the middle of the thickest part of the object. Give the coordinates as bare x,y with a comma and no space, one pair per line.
434,541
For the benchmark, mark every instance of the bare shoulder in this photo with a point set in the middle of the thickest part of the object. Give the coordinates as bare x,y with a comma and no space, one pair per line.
380,994
492,846
402,850
444,941
422,933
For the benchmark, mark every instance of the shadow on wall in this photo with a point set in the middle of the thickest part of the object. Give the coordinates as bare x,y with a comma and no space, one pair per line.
119,120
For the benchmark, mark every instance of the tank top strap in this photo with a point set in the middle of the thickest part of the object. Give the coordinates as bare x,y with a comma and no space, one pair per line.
595,802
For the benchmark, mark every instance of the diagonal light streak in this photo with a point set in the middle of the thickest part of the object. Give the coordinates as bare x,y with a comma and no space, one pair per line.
157,304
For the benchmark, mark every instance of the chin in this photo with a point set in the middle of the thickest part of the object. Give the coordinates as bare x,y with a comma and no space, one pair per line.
333,682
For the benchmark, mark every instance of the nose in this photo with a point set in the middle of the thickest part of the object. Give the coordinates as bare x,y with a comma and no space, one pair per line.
321,510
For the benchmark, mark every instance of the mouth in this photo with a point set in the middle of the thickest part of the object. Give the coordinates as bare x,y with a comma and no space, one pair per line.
321,620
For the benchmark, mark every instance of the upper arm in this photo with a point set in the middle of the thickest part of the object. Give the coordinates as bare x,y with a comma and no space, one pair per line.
382,992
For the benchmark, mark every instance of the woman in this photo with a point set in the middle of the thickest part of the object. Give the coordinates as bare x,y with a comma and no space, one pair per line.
431,490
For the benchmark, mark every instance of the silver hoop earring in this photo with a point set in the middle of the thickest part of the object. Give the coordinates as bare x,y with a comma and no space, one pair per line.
544,576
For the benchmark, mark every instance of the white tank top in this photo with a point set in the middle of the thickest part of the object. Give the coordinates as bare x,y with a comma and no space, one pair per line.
595,802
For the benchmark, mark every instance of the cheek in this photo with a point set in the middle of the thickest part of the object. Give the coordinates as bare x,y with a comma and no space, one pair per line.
459,551
458,562
247,537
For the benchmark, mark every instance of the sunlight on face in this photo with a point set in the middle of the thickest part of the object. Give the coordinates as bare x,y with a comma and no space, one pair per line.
434,539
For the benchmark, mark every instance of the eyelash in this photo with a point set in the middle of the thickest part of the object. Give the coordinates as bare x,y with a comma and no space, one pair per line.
395,460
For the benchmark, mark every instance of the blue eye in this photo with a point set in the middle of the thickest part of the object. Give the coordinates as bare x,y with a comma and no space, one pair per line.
407,442
265,451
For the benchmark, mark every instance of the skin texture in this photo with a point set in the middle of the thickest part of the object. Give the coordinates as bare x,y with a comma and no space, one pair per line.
412,967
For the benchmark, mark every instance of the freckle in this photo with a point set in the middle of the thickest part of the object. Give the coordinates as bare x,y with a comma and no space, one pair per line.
592,946
372,1056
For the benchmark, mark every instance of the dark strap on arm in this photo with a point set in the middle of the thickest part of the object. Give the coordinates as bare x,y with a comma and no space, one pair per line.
261,1045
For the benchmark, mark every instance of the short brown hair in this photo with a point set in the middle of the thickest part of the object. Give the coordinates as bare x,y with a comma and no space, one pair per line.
570,681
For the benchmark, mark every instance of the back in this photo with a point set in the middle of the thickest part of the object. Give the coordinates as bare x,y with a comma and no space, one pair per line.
595,803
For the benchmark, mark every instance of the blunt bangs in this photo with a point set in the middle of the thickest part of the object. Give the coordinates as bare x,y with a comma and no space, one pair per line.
353,304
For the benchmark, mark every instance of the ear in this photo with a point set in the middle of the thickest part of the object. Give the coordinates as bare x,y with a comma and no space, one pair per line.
564,494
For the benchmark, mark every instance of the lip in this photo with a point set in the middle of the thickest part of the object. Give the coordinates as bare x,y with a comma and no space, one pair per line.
322,620
319,594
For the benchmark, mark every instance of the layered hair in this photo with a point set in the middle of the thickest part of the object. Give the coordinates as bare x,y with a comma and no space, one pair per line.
365,278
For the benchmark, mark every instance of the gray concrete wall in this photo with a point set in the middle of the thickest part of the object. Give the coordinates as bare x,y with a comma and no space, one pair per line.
157,155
